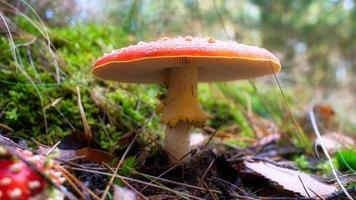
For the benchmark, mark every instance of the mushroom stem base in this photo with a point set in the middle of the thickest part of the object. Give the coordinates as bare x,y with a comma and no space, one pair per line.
176,142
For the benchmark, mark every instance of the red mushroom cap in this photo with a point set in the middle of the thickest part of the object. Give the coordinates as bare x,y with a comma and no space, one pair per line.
17,180
217,60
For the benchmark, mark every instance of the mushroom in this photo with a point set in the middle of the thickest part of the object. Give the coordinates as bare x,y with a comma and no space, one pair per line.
18,181
180,63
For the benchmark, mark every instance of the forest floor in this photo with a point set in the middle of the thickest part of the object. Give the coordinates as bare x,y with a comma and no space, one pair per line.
253,147
267,168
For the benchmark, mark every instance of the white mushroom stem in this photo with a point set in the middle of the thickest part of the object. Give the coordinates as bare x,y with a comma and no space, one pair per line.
176,142
181,109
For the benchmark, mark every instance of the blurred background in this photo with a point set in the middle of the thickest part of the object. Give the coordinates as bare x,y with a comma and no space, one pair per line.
315,41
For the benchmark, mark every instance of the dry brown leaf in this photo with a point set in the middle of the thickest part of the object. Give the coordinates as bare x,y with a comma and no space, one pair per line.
326,115
263,127
333,141
95,155
267,140
77,140
292,180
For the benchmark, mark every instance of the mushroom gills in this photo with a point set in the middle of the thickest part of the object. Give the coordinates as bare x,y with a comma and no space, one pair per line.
181,103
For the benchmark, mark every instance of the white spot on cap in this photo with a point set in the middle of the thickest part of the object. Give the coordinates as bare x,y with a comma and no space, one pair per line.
118,51
34,159
164,39
15,193
211,40
141,43
33,185
27,153
5,181
15,168
3,151
188,38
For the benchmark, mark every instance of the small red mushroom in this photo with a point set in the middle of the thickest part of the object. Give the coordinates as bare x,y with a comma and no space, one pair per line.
17,180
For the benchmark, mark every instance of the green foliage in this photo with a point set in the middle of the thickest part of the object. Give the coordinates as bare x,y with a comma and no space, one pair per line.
78,47
347,159
125,169
302,162
325,168
223,111
128,164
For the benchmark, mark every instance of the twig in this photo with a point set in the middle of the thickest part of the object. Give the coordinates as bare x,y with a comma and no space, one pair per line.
316,194
168,170
206,171
207,188
52,148
232,185
3,126
316,130
74,186
78,182
172,182
214,133
127,183
306,191
291,113
139,181
144,175
82,114
117,168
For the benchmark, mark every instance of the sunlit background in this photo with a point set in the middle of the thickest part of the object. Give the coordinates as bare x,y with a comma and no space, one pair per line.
315,40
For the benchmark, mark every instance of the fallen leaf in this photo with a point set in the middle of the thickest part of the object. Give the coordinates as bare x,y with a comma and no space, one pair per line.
95,155
77,140
291,180
326,115
334,141
267,140
263,127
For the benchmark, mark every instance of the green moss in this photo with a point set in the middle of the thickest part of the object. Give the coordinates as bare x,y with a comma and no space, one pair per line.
302,162
223,111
